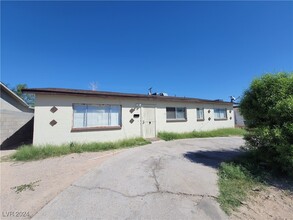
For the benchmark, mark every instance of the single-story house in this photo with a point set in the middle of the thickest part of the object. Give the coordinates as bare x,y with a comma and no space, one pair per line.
16,119
69,115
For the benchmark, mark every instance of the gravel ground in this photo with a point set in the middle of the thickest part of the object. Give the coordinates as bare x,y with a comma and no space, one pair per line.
53,175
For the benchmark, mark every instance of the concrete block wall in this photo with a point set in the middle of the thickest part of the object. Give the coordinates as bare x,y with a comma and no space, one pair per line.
16,128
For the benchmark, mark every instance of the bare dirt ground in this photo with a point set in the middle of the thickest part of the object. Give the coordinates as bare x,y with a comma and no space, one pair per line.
51,175
270,203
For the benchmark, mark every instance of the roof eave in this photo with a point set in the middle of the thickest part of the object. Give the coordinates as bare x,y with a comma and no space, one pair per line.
125,95
16,97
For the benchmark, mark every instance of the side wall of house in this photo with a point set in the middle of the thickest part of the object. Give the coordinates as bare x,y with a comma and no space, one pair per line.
61,132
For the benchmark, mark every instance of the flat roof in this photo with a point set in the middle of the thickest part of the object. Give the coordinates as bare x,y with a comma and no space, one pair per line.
104,94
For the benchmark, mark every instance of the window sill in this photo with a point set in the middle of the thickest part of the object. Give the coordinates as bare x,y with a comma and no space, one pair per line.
200,119
176,120
106,128
222,119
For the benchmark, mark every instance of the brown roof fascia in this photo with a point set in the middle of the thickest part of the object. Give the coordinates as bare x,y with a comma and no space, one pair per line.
57,91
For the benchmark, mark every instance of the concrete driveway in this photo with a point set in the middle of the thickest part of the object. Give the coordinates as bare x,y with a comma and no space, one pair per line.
166,180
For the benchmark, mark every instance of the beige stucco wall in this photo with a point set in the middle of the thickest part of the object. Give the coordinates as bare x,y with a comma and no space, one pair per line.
192,124
61,133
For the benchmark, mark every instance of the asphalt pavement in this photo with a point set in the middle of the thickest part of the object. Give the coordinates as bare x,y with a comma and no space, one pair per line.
164,180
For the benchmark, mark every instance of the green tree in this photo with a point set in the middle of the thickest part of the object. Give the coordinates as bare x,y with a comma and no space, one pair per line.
28,98
267,106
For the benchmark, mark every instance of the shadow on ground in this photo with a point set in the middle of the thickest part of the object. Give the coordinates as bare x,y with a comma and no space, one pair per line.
212,158
215,158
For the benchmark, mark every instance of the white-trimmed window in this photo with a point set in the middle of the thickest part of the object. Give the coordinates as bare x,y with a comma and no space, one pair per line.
220,114
200,114
95,116
176,113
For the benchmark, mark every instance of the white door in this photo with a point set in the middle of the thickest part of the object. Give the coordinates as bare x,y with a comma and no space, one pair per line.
148,121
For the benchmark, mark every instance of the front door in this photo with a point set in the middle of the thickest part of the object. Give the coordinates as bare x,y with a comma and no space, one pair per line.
148,121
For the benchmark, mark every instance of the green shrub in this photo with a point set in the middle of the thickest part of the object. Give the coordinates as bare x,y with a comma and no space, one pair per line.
267,107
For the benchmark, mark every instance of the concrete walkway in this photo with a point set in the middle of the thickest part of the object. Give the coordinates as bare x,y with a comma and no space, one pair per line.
166,180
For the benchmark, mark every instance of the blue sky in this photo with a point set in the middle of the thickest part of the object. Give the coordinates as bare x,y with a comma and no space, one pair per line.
195,49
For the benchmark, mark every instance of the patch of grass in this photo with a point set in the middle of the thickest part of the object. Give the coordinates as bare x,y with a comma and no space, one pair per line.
235,183
224,132
241,177
28,152
31,186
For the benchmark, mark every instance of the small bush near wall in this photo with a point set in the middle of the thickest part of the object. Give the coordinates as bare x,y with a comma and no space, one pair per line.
26,152
224,132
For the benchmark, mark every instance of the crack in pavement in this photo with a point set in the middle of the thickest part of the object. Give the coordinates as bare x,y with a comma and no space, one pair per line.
156,167
147,193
